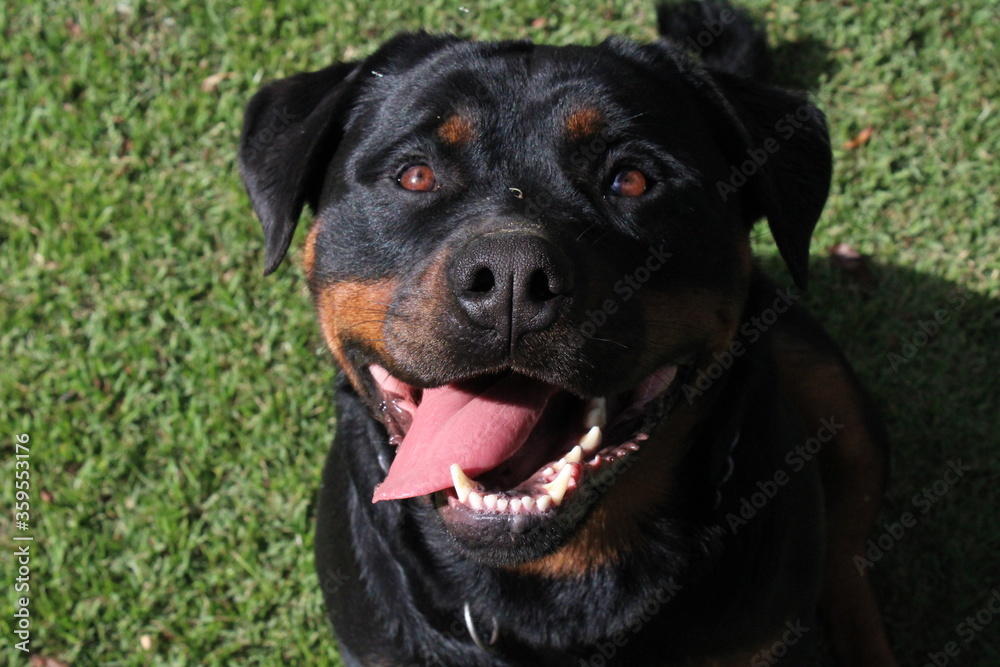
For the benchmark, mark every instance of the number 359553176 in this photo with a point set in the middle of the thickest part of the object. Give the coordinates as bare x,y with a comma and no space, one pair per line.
22,476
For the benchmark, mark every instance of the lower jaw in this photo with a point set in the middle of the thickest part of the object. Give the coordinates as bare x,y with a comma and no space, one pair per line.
514,537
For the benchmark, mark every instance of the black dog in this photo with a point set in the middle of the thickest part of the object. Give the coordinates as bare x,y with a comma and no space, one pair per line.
577,425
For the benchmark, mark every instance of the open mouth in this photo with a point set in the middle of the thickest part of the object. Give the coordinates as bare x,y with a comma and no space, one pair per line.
511,445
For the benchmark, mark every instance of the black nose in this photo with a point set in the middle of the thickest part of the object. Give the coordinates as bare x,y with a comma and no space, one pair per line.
511,282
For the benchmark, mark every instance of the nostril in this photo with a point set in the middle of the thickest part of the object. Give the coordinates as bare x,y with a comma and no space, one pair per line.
483,281
539,288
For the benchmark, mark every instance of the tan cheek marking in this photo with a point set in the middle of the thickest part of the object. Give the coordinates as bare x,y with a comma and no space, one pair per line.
354,313
309,251
456,130
584,123
418,331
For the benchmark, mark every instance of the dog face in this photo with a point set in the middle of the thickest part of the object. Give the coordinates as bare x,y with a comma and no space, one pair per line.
519,254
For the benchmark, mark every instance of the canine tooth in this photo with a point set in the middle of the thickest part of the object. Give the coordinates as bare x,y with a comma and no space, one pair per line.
592,440
527,502
575,455
475,500
502,504
543,503
515,504
597,413
490,501
461,481
557,487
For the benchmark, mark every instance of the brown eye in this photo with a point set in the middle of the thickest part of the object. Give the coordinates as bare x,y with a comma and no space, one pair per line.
629,183
418,178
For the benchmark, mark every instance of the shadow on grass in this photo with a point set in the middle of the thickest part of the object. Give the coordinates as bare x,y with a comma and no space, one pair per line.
929,353
801,64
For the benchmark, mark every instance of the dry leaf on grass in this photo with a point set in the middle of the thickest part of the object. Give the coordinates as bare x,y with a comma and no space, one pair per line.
860,139
42,661
210,84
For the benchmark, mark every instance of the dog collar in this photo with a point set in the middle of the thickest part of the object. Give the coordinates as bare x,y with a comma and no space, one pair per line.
727,472
471,627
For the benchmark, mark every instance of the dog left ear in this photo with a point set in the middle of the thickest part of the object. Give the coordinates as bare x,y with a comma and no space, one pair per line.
290,131
784,159
293,126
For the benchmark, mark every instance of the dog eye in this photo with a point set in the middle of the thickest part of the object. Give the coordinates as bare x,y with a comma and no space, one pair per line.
629,183
418,178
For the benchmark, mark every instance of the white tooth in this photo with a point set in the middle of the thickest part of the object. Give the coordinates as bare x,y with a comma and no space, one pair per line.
461,481
559,465
527,502
543,503
557,487
592,440
490,501
597,413
515,504
475,500
502,504
575,455
549,471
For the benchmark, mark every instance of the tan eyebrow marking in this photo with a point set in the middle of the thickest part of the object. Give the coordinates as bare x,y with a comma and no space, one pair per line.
584,123
456,130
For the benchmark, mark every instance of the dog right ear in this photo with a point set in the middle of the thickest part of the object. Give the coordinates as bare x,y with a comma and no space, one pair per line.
291,129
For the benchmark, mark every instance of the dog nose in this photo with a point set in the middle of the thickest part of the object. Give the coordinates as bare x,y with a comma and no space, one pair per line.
511,282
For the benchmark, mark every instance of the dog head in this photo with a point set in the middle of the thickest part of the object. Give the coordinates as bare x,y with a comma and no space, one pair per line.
519,252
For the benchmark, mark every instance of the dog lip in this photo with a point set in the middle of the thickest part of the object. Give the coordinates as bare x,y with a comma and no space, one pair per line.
546,492
482,426
560,480
396,400
562,454
610,429
511,534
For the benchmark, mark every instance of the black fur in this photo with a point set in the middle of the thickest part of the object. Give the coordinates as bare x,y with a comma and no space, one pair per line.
395,578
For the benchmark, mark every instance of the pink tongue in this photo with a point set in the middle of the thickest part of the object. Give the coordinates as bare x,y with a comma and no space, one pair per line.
476,430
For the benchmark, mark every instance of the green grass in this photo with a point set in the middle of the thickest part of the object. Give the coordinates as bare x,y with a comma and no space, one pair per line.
179,404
